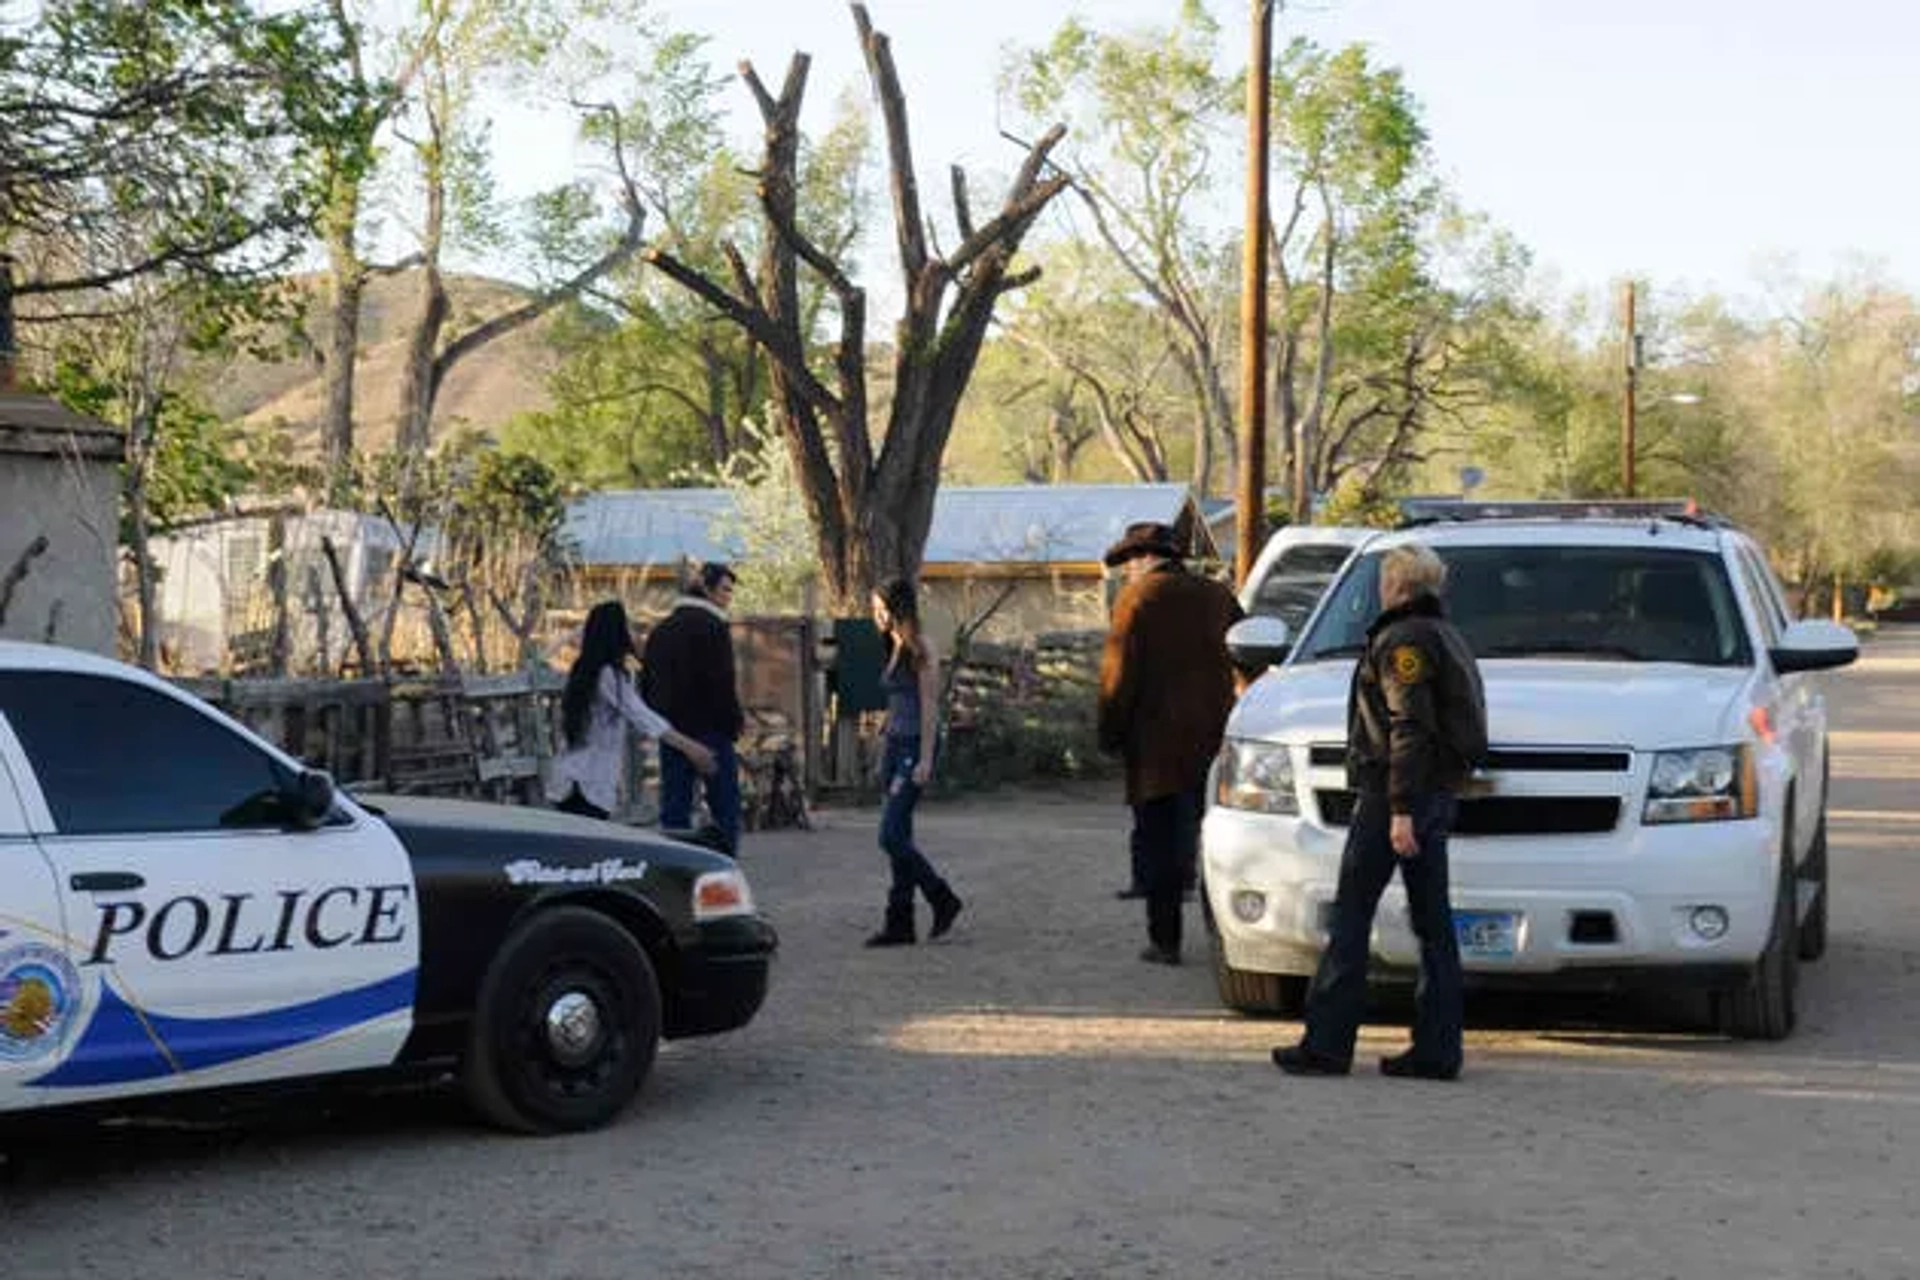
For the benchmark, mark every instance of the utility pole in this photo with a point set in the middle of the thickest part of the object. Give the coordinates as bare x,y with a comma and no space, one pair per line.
1250,522
1633,379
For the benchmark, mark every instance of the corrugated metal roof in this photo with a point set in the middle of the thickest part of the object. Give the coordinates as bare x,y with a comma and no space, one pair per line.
1037,524
1009,524
652,527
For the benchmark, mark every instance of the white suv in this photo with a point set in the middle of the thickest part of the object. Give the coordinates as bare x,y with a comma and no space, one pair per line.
1653,810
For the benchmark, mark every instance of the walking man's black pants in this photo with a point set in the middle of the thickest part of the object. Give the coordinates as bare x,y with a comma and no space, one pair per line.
1167,840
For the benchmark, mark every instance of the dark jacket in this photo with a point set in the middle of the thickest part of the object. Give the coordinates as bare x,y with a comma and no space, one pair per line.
1417,714
1166,681
687,672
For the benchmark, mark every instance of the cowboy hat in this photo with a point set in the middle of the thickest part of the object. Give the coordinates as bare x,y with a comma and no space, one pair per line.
1145,538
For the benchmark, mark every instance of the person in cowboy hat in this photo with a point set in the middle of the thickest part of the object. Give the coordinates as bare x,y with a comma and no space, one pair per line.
1166,687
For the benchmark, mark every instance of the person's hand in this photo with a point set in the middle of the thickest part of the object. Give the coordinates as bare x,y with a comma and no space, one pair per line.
923,773
1405,842
701,758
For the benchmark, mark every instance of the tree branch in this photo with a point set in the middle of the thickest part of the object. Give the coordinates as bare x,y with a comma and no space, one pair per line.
962,207
17,574
893,110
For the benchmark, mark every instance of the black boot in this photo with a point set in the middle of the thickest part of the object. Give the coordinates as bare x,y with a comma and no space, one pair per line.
946,908
898,930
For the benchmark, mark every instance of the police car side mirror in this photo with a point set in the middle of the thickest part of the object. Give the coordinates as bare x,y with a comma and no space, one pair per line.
310,798
1813,645
1258,643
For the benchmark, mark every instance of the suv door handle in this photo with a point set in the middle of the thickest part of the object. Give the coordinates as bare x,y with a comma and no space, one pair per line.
107,881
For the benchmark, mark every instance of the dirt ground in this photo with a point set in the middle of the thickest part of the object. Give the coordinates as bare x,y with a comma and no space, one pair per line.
1026,1099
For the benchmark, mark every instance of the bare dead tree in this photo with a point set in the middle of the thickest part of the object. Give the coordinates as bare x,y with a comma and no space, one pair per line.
870,511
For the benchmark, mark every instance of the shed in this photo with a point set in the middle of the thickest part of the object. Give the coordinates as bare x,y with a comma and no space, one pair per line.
59,522
1035,550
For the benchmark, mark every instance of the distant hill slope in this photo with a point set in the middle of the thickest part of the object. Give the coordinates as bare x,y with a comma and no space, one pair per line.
506,378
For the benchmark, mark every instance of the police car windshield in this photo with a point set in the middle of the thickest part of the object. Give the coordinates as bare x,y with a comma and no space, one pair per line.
1601,604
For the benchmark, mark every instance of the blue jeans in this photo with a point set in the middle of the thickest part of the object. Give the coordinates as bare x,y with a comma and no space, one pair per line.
678,778
1338,997
911,870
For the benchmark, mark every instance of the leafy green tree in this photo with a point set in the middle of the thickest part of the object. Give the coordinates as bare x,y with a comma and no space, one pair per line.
666,387
161,135
1146,114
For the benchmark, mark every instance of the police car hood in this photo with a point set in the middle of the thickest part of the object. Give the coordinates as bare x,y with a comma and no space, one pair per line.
1544,702
424,824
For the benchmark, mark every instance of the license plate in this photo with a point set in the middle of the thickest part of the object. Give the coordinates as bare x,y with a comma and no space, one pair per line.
1487,935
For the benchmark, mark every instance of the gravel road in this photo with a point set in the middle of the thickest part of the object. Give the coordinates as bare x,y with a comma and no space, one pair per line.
1026,1099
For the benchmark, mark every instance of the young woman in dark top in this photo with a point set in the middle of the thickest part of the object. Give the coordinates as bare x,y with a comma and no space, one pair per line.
912,682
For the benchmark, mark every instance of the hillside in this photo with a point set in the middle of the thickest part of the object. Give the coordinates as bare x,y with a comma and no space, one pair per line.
483,392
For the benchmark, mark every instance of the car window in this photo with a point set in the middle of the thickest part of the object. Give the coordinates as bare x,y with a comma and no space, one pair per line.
1289,597
115,758
1773,619
1324,558
1629,604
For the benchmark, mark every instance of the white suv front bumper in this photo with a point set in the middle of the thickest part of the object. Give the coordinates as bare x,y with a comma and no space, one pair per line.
1648,880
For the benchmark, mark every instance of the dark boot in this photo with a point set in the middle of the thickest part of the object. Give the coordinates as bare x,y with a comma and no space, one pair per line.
898,930
946,908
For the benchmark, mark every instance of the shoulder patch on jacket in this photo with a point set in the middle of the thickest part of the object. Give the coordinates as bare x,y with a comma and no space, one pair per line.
1409,664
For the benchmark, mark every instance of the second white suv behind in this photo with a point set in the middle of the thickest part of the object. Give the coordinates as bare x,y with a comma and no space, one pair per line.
1654,808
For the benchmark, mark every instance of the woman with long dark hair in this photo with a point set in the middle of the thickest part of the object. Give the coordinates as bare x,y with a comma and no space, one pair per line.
912,683
596,709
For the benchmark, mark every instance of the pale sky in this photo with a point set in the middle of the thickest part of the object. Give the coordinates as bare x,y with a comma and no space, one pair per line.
1690,141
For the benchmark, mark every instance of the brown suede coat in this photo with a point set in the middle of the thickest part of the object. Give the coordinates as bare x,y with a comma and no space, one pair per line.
1166,683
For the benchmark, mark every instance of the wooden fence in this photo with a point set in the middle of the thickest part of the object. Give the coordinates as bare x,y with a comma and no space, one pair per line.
481,737
1018,713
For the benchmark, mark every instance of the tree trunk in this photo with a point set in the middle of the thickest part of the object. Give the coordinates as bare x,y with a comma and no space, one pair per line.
719,436
420,386
348,280
145,577
282,637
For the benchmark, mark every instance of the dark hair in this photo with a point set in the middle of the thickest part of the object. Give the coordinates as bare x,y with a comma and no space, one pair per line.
711,577
903,609
605,641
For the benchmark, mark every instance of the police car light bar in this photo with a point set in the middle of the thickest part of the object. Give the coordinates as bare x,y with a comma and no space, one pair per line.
1416,511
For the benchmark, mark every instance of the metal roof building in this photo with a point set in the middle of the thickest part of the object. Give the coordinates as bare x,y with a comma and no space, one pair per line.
975,529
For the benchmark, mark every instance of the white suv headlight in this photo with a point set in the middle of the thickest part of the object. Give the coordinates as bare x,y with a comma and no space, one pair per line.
1257,776
1714,784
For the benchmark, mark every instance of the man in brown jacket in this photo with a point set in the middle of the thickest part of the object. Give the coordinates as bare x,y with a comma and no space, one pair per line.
1166,687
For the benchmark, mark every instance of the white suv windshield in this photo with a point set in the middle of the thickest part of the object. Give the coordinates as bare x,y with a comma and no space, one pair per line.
1623,604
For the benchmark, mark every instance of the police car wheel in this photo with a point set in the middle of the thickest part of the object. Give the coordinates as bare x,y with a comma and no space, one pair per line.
566,1027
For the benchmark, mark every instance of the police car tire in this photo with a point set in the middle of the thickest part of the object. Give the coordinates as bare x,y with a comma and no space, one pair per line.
1813,930
1763,1009
510,1076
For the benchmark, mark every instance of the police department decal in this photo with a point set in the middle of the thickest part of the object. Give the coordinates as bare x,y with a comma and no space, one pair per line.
39,991
607,871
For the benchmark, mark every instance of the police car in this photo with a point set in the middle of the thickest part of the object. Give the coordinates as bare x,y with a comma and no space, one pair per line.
1654,808
185,908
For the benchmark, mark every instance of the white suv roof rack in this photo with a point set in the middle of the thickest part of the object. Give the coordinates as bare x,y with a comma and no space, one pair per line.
1422,511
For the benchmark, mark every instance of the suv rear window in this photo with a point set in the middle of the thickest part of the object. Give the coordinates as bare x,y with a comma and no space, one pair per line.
1626,604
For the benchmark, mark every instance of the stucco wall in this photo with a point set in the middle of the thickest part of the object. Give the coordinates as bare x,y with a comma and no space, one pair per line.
68,593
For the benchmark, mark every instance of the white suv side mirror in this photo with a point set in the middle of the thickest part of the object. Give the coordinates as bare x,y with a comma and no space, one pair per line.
1812,645
1258,643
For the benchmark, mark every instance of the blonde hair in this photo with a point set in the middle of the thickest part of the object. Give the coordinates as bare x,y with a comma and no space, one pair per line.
1414,568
